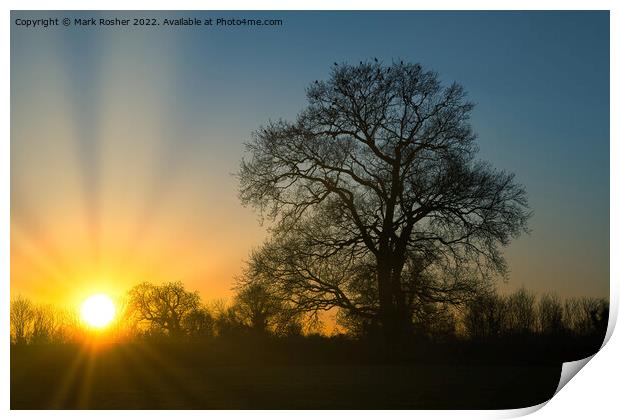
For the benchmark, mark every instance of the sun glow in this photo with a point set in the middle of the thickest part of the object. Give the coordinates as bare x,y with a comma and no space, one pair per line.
98,310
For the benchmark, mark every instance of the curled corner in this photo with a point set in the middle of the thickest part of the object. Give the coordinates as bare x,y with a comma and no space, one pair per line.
521,412
569,370
612,317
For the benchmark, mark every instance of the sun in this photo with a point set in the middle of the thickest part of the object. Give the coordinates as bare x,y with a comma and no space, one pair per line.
98,310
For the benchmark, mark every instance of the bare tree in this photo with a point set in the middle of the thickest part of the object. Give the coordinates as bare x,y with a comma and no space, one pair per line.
379,170
227,320
22,313
257,307
163,306
521,312
199,323
71,325
550,315
486,316
585,316
46,324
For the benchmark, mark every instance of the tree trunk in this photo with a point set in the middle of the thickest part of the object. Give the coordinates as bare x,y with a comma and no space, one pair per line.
393,311
388,312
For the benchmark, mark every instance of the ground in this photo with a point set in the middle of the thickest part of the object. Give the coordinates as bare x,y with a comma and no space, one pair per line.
140,376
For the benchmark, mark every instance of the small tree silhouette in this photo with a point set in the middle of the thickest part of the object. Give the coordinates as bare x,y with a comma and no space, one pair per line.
257,307
550,315
486,316
22,314
199,322
165,306
521,312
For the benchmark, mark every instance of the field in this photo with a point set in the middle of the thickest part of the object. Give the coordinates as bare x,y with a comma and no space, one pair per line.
198,376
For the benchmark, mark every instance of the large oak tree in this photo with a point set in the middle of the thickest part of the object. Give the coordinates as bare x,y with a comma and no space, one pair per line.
377,199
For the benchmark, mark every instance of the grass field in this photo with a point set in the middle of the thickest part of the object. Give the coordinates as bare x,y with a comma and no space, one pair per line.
141,376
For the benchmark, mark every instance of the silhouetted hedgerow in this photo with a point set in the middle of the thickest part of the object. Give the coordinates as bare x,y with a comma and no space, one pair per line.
490,327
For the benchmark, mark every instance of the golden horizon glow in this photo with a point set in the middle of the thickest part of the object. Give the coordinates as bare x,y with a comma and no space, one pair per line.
98,310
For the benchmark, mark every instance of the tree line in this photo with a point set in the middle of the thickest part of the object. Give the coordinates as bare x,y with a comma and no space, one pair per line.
155,311
169,310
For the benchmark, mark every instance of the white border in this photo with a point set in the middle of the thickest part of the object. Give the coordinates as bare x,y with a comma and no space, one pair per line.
592,394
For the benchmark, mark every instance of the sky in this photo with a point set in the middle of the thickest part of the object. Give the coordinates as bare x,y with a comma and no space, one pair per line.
125,141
